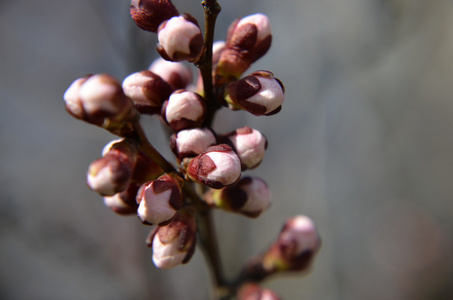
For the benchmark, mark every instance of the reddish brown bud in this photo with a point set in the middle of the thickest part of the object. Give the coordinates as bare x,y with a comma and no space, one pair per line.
180,38
149,14
260,93
174,244
147,90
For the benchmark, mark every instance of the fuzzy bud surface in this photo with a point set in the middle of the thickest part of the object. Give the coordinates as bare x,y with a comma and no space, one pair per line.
184,109
191,142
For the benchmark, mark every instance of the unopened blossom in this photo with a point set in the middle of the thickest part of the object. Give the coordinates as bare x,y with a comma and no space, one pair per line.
159,199
149,14
295,247
247,40
249,144
184,109
180,38
177,74
100,100
147,90
252,291
174,243
260,93
250,197
124,203
191,142
217,167
110,174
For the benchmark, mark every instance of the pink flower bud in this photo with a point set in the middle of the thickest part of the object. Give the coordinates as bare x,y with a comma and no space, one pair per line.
260,93
100,100
249,144
250,196
177,74
217,167
174,244
147,90
124,203
191,142
248,39
149,14
184,110
159,199
252,291
295,247
180,38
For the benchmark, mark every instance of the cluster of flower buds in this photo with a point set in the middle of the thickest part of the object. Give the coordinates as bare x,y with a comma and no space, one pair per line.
133,178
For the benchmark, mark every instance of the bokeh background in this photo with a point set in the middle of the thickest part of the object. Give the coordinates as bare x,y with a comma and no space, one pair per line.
363,145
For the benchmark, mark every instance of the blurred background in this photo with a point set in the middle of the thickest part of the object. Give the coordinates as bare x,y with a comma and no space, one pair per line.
363,145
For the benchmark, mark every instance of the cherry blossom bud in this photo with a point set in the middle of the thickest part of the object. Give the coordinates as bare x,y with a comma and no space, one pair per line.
177,74
159,199
100,100
248,39
149,14
295,247
249,144
191,142
174,244
124,203
217,167
252,291
180,38
260,93
184,110
250,197
147,90
111,173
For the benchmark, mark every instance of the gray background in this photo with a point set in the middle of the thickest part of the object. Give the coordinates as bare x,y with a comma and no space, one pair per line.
363,145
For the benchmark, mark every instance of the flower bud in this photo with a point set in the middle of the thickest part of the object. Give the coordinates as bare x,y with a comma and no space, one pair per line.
177,74
217,167
252,291
100,100
149,14
159,199
124,203
191,142
184,110
147,90
110,174
248,39
260,93
295,247
180,38
174,244
249,144
250,196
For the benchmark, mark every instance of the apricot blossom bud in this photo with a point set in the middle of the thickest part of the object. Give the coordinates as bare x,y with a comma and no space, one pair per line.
177,74
250,197
123,203
260,93
147,90
252,291
180,38
191,142
249,144
100,100
184,109
217,167
149,14
247,40
174,244
294,248
112,173
159,199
